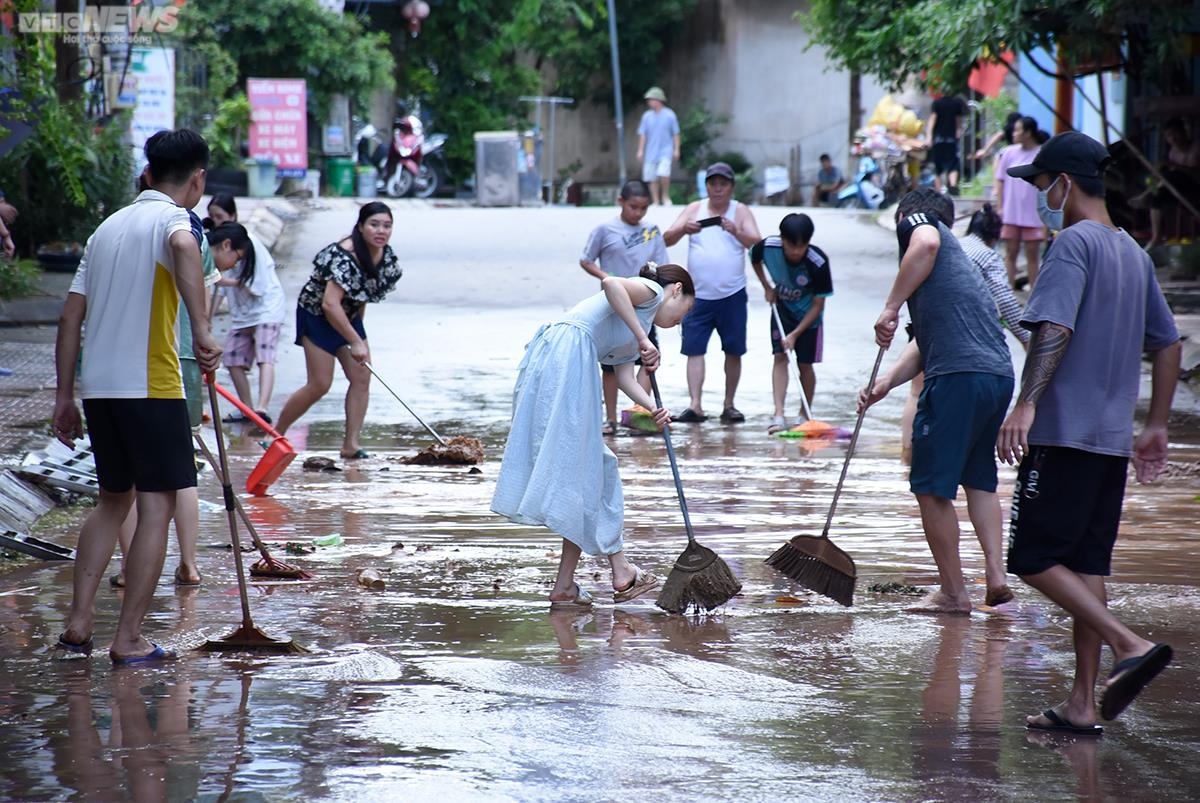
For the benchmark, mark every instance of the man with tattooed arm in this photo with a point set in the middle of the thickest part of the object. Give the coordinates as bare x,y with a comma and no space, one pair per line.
1096,308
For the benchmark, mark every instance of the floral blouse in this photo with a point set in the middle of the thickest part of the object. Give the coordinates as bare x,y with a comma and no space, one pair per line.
336,264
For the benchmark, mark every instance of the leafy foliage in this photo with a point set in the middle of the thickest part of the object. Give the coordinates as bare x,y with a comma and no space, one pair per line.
71,172
229,126
475,58
282,39
938,42
18,277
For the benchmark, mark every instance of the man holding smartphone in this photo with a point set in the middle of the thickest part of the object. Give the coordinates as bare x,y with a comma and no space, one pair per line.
720,231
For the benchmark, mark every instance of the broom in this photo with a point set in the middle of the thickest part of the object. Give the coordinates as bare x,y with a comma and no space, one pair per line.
815,562
247,637
267,566
699,579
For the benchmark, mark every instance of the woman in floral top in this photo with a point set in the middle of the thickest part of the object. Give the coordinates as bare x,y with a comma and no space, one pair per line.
346,276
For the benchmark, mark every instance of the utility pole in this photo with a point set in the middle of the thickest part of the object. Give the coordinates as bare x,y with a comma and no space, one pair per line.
616,71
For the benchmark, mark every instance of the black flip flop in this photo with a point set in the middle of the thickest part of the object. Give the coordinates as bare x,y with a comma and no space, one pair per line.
1130,676
1060,725
732,415
689,416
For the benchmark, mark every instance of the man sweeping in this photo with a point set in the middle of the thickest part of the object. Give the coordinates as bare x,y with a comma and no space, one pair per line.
1094,311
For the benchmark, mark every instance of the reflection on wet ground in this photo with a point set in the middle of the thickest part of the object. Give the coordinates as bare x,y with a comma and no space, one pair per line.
457,680
456,683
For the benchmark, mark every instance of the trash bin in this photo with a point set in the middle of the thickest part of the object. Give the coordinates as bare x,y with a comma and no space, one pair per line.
367,176
496,168
341,176
260,177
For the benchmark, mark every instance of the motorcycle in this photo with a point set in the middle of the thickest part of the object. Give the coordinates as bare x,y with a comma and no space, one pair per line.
865,191
408,163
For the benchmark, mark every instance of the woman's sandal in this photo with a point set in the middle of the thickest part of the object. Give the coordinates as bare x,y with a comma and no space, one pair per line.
642,583
581,602
609,429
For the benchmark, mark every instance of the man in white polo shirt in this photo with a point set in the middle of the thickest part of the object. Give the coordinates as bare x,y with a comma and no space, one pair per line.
137,266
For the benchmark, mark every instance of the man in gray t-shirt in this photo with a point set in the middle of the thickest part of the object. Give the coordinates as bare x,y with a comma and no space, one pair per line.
658,144
968,383
620,247
1096,308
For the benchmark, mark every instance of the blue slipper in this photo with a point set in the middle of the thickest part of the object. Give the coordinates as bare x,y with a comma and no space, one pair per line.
154,656
1130,676
83,648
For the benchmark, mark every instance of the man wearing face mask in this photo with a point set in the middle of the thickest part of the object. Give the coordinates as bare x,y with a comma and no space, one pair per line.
1095,309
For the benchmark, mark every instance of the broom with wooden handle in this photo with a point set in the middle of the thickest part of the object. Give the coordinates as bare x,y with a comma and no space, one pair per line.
699,579
814,561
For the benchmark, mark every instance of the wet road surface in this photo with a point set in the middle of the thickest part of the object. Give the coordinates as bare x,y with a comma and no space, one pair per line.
455,682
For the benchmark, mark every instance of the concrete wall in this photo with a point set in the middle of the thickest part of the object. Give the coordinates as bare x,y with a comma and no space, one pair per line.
745,59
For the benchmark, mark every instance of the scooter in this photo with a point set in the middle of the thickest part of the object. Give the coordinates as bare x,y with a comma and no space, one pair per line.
864,192
408,164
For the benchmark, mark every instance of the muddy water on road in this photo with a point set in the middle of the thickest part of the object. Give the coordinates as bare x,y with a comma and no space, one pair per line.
455,682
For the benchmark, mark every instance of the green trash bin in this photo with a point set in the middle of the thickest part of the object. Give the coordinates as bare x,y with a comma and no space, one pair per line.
342,177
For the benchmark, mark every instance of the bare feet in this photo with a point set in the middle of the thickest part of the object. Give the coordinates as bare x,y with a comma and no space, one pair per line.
941,603
187,575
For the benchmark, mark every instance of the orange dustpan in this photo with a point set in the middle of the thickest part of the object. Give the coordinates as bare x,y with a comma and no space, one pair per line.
278,455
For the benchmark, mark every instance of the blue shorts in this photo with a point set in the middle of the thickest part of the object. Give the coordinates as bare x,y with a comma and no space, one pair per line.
317,329
954,433
726,315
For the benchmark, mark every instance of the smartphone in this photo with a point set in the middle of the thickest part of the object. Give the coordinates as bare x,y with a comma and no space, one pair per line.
710,221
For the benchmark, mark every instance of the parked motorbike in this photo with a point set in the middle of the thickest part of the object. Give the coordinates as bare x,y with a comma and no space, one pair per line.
866,190
406,165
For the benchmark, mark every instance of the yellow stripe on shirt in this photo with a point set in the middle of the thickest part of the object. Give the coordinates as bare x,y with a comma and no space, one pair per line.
164,379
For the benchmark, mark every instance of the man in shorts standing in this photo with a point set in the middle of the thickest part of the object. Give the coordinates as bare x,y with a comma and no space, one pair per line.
799,284
968,384
944,130
658,145
621,247
720,230
1095,309
137,265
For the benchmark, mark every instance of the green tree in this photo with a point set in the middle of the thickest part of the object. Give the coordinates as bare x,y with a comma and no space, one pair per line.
475,58
280,39
939,41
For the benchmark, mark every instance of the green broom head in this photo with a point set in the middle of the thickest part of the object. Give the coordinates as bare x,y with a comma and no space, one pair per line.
818,565
699,580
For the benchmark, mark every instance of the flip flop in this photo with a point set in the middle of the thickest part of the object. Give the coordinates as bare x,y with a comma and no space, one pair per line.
361,454
642,583
609,429
116,581
83,648
581,602
1129,677
732,415
1060,725
180,581
234,418
689,416
157,655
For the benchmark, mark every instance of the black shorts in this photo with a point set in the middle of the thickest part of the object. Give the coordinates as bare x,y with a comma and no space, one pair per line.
652,334
1065,511
945,157
141,442
808,346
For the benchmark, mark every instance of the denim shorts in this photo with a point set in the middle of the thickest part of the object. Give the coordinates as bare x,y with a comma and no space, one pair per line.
726,315
322,334
954,433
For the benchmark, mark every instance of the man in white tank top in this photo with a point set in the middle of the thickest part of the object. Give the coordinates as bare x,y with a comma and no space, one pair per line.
720,231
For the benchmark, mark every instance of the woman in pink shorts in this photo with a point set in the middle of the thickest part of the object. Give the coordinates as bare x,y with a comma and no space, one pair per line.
1018,203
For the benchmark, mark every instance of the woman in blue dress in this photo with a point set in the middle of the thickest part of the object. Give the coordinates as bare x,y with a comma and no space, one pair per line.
557,472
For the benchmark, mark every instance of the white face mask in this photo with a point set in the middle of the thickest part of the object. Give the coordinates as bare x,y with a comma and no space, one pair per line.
1053,218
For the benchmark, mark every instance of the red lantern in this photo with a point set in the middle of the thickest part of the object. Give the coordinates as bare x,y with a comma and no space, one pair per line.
415,11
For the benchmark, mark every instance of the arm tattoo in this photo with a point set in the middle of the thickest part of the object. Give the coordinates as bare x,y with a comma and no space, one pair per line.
1046,351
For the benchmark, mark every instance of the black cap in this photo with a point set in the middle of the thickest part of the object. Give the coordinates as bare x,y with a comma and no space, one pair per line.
719,169
1069,152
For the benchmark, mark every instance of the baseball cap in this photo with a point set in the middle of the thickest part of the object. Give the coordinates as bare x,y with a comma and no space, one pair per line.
719,169
655,93
1069,152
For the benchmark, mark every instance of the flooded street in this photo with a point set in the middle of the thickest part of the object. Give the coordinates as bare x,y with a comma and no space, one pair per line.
455,682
